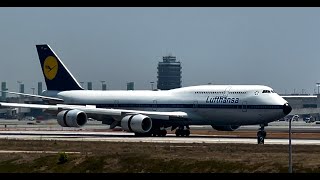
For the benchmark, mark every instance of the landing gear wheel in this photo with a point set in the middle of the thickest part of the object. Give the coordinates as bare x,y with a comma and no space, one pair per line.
178,132
261,135
142,134
163,133
182,132
187,132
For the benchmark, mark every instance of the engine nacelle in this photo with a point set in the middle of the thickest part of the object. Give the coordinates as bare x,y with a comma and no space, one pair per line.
225,128
72,118
137,123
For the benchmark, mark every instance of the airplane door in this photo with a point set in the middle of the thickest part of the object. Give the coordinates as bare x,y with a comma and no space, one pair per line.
226,91
195,106
244,106
154,105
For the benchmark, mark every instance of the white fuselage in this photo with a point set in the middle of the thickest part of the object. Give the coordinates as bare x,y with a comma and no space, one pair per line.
205,105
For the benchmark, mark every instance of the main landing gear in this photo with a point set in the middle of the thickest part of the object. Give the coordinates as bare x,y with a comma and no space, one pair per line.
183,132
161,132
261,134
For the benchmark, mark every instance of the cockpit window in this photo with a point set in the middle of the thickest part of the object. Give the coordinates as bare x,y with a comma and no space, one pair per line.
266,91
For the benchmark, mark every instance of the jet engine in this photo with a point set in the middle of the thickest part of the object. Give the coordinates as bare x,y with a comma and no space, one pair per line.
137,123
72,118
225,128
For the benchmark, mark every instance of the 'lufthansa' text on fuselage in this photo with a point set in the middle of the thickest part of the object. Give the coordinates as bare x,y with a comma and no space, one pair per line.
221,99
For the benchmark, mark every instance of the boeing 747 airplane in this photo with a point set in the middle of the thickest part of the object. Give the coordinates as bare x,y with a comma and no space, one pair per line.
149,113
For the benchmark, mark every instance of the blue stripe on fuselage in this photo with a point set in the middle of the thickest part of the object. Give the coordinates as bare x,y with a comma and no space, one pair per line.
213,106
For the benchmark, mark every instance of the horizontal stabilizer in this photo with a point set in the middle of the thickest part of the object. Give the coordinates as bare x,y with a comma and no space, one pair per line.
35,96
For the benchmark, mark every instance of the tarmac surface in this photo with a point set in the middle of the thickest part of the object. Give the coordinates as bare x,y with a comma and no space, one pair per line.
279,126
129,137
95,131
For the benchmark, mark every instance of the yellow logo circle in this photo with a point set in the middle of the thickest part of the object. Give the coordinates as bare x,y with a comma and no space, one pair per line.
50,67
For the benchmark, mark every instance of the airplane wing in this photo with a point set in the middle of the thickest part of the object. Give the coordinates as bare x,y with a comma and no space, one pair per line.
36,96
89,109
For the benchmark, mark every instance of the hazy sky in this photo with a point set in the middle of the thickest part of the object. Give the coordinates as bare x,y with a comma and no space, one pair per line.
277,47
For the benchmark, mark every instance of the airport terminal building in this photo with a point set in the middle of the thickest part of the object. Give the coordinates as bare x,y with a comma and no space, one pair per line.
304,104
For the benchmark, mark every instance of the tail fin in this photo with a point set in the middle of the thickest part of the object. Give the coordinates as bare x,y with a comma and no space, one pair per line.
55,73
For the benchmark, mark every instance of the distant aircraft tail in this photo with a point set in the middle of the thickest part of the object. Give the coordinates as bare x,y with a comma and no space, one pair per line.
55,73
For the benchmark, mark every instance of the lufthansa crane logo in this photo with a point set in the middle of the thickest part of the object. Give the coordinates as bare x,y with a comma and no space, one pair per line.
50,67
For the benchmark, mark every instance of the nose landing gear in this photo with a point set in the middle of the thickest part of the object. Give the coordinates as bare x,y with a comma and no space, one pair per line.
261,134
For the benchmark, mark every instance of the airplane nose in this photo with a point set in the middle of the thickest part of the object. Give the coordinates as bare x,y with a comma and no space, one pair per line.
286,109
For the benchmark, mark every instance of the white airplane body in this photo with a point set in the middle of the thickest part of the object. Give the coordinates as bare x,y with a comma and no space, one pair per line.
224,107
206,104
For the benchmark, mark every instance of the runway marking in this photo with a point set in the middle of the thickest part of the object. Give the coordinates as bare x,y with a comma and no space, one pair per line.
37,152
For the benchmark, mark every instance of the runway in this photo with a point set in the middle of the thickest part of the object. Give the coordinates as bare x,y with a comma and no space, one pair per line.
129,137
278,126
95,131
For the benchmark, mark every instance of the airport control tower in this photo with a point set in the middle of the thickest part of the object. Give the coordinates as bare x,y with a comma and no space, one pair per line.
169,73
3,88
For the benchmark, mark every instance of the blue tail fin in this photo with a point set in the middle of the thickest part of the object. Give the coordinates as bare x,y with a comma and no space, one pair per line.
55,73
